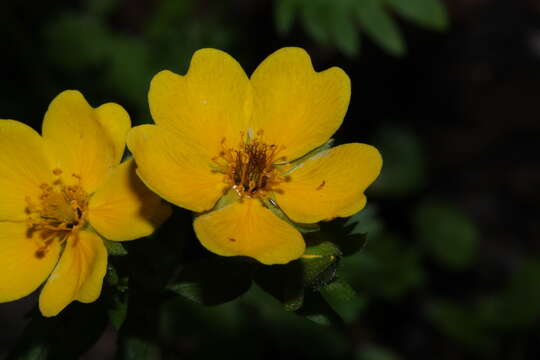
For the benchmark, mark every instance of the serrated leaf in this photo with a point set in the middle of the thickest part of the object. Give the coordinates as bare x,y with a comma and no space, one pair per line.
284,13
114,248
431,14
214,280
446,233
344,300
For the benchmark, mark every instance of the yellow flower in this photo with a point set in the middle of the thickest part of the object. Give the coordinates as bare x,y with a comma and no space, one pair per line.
219,132
60,193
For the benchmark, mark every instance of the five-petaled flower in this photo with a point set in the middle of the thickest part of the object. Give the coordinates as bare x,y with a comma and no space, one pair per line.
220,134
60,193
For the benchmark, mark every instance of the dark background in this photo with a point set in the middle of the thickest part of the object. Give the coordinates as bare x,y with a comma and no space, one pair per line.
452,266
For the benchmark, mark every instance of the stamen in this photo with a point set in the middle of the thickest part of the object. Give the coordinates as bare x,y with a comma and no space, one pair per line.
250,167
58,212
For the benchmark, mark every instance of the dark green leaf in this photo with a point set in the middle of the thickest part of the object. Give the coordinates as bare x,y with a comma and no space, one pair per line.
462,324
66,336
76,42
315,20
404,169
344,300
214,281
372,352
137,348
314,269
428,13
118,310
518,306
101,8
380,26
284,282
319,263
446,233
316,309
115,248
344,30
386,267
284,12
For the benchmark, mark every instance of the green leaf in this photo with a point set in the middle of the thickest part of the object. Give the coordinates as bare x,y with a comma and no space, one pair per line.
137,348
404,169
461,324
319,263
316,268
446,233
380,26
114,248
284,282
76,42
316,309
315,20
101,8
519,301
372,352
344,30
65,336
284,12
214,280
118,310
344,300
431,14
386,268
351,235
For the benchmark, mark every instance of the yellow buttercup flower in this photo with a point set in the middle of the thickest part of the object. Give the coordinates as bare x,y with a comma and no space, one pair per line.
60,194
219,133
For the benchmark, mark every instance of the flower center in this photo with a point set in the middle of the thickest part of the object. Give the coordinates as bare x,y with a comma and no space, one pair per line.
250,167
60,210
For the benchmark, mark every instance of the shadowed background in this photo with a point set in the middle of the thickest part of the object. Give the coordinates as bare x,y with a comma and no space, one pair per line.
451,269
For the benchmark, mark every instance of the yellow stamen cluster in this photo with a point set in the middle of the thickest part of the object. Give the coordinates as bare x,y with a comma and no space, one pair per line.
59,211
250,167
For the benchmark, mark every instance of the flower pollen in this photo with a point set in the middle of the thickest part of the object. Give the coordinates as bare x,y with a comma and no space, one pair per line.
250,167
59,211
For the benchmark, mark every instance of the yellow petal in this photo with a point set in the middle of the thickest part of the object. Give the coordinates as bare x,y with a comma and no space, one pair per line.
77,276
247,228
23,266
123,208
295,106
78,142
24,166
173,169
211,102
116,123
96,254
330,184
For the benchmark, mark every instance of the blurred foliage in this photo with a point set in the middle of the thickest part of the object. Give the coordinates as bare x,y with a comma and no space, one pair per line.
365,283
339,22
